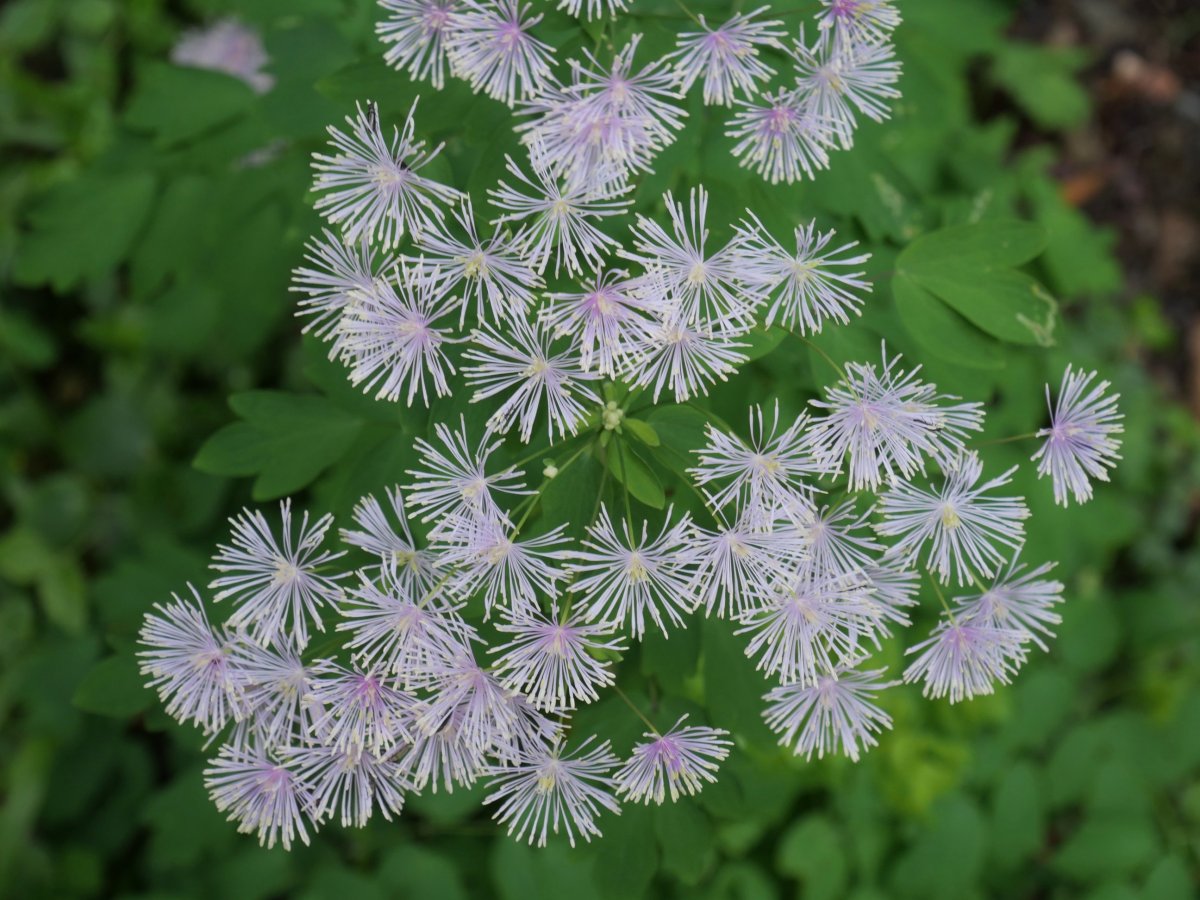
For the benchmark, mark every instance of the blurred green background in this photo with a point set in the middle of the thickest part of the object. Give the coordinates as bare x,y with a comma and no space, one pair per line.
149,219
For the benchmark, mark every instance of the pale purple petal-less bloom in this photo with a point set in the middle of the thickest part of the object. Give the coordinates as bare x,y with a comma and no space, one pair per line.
678,762
1080,442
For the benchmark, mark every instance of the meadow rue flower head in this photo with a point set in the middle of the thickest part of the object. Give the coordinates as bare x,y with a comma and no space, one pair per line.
1080,442
226,46
678,762
477,608
371,187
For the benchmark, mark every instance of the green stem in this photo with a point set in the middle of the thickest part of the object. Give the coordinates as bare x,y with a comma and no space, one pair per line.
941,597
620,693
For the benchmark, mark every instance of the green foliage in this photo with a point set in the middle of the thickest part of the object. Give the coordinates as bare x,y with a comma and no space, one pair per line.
149,219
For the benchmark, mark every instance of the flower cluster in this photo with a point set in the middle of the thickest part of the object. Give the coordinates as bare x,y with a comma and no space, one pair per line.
466,629
416,700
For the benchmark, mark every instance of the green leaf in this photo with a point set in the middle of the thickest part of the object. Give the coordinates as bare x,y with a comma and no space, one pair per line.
175,103
732,686
685,837
681,431
627,467
643,431
414,871
287,440
113,688
1042,81
969,268
811,850
1017,815
82,229
627,858
984,245
941,331
1106,847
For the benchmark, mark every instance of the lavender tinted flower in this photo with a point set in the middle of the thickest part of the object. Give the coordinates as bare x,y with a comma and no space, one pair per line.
704,285
408,569
546,788
621,579
1015,600
607,122
963,660
735,566
487,556
521,364
684,357
837,539
807,286
341,277
608,316
226,46
277,690
440,756
492,272
189,664
371,187
401,634
479,707
559,218
277,586
961,524
761,474
814,623
1079,442
415,32
453,481
836,713
491,47
859,21
678,762
551,659
781,137
889,422
726,57
360,709
837,79
262,796
392,342
349,782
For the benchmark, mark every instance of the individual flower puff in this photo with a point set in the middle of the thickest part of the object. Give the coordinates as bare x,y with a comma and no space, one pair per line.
835,713
960,522
263,796
416,32
392,342
277,586
623,579
1080,442
726,57
546,788
190,665
372,188
678,762
551,659
964,659
491,47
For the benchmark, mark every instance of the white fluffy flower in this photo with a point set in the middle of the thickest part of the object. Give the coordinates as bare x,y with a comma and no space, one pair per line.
521,365
372,187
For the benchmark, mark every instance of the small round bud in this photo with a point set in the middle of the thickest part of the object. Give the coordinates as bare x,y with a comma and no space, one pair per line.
550,471
612,416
